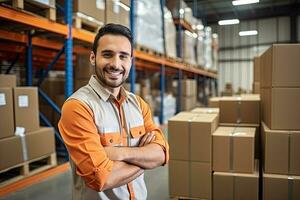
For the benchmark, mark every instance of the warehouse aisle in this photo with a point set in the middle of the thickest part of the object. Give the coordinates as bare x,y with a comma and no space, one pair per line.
59,187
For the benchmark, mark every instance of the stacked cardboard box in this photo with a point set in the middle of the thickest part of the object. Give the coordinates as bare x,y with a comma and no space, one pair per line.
82,71
228,185
280,93
213,102
21,134
256,75
190,167
118,12
235,174
228,90
189,94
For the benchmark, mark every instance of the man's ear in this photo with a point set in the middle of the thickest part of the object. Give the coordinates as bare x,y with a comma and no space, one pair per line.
92,58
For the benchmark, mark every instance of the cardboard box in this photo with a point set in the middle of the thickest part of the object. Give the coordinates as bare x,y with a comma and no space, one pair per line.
26,108
40,142
53,86
257,144
7,80
206,110
256,88
188,102
256,69
281,151
189,87
192,133
78,83
277,187
228,186
11,152
116,13
190,179
281,108
7,125
233,149
83,68
214,102
280,66
92,8
240,109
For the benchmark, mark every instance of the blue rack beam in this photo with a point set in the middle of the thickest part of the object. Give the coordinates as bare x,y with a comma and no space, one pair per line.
29,60
132,28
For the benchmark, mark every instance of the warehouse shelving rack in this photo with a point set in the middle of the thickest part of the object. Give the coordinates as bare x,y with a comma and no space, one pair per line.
65,35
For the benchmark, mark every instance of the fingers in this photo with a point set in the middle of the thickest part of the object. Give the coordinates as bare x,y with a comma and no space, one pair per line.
147,139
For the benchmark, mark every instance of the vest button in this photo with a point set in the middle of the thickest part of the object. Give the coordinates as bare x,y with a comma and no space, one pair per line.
140,132
111,140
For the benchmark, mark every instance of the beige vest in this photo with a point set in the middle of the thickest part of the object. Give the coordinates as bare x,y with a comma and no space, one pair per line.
108,122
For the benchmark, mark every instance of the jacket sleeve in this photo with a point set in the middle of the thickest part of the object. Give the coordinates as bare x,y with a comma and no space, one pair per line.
79,132
151,127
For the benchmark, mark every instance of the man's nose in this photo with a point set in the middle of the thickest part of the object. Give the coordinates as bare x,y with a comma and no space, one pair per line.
115,61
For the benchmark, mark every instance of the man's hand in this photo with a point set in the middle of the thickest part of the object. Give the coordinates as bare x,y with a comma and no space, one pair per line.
147,139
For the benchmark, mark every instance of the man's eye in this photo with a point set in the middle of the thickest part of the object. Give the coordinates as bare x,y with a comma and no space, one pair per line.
106,55
123,57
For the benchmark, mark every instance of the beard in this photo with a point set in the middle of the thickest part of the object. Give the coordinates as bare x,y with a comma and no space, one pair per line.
110,81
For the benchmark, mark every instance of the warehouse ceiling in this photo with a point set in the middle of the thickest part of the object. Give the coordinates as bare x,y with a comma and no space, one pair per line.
211,11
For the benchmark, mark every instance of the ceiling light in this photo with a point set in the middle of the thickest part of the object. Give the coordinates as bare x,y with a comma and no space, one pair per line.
229,22
243,2
247,33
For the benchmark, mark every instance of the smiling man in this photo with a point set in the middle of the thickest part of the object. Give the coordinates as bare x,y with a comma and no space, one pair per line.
109,131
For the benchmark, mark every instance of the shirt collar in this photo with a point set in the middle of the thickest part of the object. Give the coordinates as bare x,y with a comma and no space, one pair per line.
103,92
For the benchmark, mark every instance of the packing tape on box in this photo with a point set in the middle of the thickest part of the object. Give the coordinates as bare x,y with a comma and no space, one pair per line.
231,146
20,131
290,187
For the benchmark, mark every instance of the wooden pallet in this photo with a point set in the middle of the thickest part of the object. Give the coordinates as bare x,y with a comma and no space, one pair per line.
86,23
184,198
26,169
33,8
148,50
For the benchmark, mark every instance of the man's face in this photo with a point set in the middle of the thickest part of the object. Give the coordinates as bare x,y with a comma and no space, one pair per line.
113,60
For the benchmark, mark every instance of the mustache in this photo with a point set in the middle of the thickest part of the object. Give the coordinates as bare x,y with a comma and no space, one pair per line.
110,68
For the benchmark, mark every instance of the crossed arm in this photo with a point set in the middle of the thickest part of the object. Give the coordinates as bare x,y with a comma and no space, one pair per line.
130,161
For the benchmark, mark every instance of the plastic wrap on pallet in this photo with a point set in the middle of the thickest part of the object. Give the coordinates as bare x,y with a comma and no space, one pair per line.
169,106
149,25
208,47
215,51
189,45
200,48
170,34
180,10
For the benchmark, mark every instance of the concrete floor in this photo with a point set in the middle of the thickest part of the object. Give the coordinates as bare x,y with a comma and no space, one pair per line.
59,187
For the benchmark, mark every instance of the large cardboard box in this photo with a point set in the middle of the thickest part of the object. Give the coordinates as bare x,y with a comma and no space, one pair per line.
281,108
228,186
53,86
7,125
256,69
92,8
281,151
26,108
7,80
206,110
278,187
116,13
11,152
83,68
188,102
280,66
214,102
233,149
189,87
190,136
240,109
256,87
40,142
190,179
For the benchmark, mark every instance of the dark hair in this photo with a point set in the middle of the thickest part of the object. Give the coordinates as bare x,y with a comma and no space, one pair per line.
114,29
